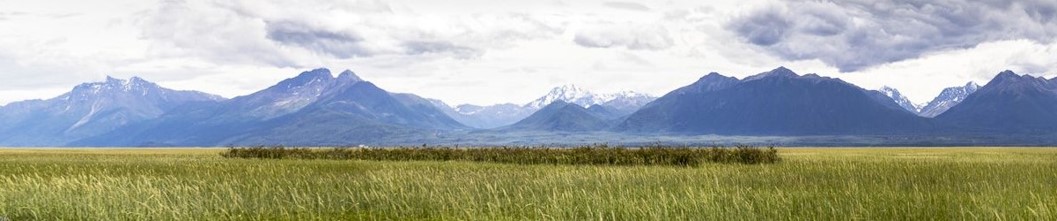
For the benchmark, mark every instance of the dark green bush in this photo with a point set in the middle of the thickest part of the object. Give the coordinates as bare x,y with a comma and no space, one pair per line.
583,155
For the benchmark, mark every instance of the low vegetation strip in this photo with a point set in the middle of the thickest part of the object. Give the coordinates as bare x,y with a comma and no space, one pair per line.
584,155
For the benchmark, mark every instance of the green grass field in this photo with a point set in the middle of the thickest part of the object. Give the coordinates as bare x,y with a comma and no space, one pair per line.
809,184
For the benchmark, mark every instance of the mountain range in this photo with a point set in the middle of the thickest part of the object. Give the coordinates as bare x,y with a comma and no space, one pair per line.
1010,103
777,102
88,110
318,108
313,108
498,115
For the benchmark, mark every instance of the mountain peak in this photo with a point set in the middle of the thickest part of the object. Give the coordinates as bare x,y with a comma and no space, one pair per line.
137,79
1007,75
900,99
889,91
781,71
113,84
560,116
712,81
319,76
566,93
348,75
111,79
573,94
318,73
948,98
713,75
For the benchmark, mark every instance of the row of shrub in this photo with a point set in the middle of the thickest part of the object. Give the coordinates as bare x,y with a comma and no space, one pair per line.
583,155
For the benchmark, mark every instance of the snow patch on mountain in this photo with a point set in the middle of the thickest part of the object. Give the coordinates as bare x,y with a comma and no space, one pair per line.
903,101
579,96
948,98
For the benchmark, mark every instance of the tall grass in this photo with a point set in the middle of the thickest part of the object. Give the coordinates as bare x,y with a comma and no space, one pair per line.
809,184
583,155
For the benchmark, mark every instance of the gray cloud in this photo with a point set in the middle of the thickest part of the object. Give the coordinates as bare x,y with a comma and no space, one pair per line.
338,44
216,34
252,32
857,34
627,5
630,36
433,47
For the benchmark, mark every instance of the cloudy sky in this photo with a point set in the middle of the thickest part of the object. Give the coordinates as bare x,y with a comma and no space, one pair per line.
489,51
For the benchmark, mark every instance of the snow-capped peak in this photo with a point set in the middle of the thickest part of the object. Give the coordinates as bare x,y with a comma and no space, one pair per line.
948,98
112,84
903,101
971,86
573,94
568,93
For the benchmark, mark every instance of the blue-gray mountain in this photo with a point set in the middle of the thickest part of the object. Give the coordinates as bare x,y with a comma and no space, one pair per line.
778,102
88,110
1010,104
560,116
494,116
313,108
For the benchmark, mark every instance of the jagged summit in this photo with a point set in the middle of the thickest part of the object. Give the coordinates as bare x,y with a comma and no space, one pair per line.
90,109
781,71
1010,81
1007,74
316,81
948,98
568,93
349,76
1008,104
574,94
710,82
319,73
1010,76
900,99
775,104
712,75
115,85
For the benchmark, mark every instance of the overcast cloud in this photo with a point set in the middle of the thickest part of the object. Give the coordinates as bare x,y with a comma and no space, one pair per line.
486,51
857,34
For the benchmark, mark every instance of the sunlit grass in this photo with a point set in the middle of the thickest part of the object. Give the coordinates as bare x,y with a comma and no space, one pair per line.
809,184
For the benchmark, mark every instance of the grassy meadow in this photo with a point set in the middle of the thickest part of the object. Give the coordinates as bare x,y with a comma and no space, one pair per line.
807,184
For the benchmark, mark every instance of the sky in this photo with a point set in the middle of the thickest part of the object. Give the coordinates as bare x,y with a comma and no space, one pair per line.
499,51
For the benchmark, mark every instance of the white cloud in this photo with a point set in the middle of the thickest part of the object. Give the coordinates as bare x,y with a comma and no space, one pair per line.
493,52
627,5
630,36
